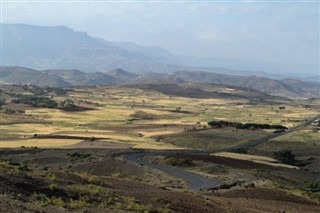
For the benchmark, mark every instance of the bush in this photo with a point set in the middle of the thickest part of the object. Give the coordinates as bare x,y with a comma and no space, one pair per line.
285,156
116,175
53,186
94,179
176,161
78,204
57,201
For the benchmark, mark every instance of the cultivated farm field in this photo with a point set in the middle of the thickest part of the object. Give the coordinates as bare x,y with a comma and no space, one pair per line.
71,157
146,118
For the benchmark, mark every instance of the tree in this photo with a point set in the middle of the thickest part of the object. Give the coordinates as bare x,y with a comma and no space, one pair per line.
68,103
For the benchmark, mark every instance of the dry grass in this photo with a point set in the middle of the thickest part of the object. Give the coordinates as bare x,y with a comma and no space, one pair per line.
40,143
157,146
155,132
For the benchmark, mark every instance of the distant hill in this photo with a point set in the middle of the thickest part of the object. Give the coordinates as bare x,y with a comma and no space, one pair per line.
76,77
193,90
122,76
61,77
22,75
157,78
286,87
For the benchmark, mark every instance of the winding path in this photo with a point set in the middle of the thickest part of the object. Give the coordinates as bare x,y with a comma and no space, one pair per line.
196,182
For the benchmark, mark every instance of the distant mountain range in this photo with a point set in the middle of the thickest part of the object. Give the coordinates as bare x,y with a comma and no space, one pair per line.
62,78
63,48
40,47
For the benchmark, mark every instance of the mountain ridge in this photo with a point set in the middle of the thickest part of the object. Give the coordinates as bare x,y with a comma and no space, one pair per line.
60,47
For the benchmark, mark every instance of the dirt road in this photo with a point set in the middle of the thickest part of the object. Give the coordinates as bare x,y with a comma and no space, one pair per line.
196,182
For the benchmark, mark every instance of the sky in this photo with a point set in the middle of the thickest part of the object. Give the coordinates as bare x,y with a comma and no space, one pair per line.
267,31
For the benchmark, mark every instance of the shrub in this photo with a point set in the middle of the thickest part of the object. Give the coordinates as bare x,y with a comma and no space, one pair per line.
137,178
285,156
94,179
116,175
53,186
176,161
78,204
40,199
57,201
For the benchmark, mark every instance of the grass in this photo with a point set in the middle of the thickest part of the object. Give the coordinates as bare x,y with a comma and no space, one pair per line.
212,138
299,148
306,136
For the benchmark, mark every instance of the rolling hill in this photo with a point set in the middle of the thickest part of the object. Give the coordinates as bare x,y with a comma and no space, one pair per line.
62,77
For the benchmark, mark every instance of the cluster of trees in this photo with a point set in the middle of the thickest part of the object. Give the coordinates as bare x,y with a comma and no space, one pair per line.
221,124
9,110
44,90
68,103
35,101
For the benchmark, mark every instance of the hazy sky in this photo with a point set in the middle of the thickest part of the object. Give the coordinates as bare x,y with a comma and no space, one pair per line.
262,31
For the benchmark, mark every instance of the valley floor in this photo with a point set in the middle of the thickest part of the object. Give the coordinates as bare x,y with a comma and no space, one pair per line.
62,159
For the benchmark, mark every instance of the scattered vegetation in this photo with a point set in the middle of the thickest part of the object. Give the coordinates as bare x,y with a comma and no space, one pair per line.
7,110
